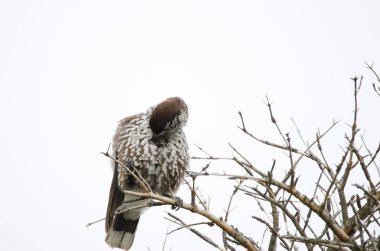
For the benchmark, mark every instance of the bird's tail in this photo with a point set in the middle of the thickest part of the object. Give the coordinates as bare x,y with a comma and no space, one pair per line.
122,233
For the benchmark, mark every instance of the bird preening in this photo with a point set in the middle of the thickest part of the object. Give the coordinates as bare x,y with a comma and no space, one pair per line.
150,149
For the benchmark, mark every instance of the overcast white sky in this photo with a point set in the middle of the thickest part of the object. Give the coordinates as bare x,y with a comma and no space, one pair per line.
70,70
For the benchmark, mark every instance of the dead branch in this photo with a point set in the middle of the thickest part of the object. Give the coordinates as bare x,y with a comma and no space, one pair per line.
189,226
229,229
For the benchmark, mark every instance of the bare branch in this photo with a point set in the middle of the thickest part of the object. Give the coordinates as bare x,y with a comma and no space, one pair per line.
273,231
134,172
274,121
326,243
230,230
199,234
376,89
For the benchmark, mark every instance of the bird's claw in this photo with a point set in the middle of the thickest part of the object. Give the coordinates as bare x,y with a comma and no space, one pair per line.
178,203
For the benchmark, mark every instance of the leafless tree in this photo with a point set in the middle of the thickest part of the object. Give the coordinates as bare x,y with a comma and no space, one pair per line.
332,217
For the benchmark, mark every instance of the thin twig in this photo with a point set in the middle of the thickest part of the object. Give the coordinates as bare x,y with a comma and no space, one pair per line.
199,234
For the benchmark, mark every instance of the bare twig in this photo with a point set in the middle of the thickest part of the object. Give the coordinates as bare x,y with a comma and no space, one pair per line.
298,131
134,172
273,231
327,243
242,121
274,121
227,212
376,89
199,234
91,223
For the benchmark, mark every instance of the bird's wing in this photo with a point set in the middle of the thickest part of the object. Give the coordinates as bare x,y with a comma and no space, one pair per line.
116,196
115,199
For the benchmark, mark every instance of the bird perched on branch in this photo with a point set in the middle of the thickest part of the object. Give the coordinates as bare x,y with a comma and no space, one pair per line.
151,154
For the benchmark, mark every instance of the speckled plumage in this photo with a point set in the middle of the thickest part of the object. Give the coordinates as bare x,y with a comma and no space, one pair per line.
153,144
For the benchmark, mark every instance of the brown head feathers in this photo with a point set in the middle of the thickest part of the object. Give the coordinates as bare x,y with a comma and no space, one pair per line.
170,114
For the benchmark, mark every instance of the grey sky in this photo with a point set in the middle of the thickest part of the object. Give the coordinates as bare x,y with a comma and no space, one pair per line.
70,70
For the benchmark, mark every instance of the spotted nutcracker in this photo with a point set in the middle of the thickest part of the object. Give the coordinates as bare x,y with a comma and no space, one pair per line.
153,146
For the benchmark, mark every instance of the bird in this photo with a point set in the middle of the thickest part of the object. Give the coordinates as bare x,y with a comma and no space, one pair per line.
148,149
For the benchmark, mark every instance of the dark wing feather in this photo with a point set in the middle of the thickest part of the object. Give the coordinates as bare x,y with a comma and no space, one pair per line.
115,199
116,196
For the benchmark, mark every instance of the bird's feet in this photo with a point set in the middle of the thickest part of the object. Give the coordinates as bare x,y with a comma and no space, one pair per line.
178,202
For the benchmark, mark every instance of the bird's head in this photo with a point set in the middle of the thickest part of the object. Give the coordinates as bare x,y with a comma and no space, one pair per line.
169,115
